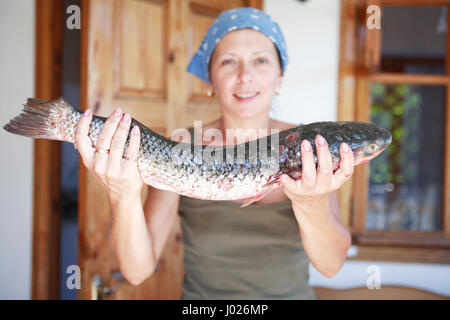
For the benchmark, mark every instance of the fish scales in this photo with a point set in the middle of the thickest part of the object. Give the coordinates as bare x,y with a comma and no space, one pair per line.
244,171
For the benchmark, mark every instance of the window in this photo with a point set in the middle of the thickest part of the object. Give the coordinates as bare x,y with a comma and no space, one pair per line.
398,205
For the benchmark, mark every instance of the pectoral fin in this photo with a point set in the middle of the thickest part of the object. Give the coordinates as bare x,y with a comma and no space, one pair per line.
266,189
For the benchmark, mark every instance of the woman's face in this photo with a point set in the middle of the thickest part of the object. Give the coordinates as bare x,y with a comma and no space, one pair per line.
245,71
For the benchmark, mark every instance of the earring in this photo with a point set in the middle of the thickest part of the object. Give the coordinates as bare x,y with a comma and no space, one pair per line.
209,92
277,91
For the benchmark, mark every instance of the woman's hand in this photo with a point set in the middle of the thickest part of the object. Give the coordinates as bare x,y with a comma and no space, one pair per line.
312,190
119,177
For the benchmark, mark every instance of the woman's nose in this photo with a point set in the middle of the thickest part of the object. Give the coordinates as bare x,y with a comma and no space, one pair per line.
245,73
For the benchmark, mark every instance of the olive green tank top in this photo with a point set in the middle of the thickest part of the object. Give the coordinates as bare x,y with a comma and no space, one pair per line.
253,252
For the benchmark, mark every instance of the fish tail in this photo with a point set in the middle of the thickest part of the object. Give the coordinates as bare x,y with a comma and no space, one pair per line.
54,120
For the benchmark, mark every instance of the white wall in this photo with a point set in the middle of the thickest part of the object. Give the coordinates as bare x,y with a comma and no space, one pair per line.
16,84
309,93
311,29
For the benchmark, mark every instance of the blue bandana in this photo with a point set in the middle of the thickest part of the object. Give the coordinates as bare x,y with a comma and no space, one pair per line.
241,18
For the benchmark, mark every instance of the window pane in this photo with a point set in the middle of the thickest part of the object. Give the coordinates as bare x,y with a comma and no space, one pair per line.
405,191
414,39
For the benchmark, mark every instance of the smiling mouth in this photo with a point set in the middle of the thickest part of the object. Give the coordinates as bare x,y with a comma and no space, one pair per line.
246,96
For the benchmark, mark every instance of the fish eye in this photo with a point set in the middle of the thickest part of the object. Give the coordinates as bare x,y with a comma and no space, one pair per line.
372,147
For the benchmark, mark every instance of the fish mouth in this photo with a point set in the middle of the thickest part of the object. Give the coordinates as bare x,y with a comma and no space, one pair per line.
386,138
370,157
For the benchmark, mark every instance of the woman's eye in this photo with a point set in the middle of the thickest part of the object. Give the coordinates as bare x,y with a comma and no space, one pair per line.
261,60
227,62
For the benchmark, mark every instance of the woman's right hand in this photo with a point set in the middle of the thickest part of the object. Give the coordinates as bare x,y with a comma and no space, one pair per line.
120,178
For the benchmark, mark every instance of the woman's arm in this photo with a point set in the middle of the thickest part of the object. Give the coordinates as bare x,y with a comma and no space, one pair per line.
131,240
325,239
138,235
161,209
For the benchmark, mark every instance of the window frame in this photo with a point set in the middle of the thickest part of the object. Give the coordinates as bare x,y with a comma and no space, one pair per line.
359,54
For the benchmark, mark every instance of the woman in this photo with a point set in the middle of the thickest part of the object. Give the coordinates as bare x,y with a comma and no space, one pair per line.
257,252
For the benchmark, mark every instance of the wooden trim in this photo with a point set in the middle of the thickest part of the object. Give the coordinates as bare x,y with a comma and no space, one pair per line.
402,254
361,173
446,184
204,9
84,67
422,79
402,239
447,53
82,171
424,3
258,4
384,293
176,84
372,47
346,92
360,177
47,163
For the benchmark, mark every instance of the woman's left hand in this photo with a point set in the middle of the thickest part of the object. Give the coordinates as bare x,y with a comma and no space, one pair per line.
312,190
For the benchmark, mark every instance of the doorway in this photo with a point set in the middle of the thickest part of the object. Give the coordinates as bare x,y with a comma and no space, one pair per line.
69,159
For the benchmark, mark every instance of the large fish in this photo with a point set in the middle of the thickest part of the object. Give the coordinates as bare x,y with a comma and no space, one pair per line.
246,171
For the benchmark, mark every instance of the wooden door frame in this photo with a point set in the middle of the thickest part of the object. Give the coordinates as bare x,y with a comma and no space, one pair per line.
46,170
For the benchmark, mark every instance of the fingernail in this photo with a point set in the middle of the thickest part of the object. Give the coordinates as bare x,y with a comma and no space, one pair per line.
136,130
306,146
87,112
321,140
126,117
118,113
345,147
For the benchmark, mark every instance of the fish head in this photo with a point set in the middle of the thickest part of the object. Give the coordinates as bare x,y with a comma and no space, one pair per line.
369,141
